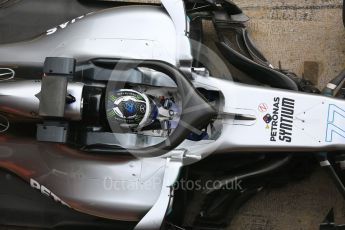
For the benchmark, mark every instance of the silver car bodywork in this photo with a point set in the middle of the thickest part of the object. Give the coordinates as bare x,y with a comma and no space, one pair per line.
122,188
134,189
140,32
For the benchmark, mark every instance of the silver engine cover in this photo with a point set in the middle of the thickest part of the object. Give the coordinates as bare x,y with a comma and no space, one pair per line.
138,32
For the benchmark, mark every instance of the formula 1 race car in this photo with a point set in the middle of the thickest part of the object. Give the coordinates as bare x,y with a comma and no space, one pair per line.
110,114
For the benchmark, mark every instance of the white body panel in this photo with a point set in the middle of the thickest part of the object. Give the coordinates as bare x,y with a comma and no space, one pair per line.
317,124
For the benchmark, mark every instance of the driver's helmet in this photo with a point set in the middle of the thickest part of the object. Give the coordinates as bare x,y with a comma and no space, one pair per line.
133,109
